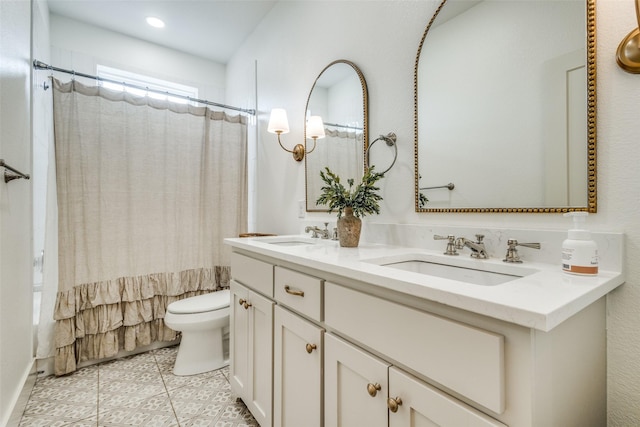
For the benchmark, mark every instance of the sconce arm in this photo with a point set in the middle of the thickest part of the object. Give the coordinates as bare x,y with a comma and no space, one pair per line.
298,151
314,146
280,142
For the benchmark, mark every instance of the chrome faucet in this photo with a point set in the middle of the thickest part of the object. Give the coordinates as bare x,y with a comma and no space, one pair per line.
512,252
318,232
477,248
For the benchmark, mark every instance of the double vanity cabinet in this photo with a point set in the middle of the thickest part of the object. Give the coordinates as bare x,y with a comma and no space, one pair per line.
319,338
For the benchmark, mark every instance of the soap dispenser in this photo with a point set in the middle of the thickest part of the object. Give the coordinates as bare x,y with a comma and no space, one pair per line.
579,252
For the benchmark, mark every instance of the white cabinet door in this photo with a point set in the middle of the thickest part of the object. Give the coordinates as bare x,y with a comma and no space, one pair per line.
355,386
239,339
413,403
251,343
297,399
260,399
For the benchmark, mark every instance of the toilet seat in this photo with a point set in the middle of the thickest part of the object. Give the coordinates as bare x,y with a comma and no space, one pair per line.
202,303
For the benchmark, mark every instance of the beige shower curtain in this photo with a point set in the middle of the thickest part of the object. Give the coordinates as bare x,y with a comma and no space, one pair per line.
147,191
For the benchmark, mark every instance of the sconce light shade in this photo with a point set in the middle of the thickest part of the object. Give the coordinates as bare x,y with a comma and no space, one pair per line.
315,127
278,122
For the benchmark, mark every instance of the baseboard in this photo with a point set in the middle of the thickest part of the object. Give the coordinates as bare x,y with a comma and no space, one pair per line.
23,398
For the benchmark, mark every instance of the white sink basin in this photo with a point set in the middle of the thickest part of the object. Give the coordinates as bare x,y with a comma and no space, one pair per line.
468,275
291,243
289,240
475,272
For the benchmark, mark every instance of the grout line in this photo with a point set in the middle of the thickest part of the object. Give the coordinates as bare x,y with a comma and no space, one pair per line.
28,400
165,387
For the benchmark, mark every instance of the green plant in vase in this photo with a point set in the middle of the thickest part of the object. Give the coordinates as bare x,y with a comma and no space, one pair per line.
354,202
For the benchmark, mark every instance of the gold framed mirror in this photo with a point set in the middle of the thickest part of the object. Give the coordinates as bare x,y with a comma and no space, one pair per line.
505,107
339,95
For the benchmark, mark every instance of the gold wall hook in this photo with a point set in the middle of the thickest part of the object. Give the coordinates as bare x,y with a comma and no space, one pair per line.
628,54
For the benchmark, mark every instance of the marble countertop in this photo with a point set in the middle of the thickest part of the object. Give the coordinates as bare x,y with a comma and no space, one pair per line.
542,298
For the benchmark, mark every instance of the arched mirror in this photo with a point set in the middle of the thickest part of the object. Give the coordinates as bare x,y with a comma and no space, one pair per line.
505,107
339,96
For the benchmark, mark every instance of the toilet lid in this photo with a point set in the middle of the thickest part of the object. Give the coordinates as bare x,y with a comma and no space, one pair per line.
201,303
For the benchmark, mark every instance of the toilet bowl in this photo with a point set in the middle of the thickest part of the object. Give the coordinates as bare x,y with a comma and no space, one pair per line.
202,320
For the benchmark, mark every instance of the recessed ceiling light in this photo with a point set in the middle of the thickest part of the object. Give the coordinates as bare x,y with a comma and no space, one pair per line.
155,22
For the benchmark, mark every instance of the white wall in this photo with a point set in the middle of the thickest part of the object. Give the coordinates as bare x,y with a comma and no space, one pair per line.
292,45
42,128
298,39
15,204
80,47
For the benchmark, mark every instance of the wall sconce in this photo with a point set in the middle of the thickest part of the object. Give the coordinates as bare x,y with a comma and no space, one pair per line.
279,124
628,56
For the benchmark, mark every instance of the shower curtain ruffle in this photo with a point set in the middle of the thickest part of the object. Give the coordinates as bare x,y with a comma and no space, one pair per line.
96,320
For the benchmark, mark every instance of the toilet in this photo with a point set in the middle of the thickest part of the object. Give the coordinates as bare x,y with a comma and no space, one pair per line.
203,321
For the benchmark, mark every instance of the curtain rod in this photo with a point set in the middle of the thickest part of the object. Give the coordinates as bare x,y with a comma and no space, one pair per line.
342,126
39,65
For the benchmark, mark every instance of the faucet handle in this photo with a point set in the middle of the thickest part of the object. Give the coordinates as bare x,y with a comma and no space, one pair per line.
512,252
313,230
512,243
530,245
479,238
325,232
451,243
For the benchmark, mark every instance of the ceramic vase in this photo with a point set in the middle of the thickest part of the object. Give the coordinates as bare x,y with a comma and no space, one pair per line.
349,227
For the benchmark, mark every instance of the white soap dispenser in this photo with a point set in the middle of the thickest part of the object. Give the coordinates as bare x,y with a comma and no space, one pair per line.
579,252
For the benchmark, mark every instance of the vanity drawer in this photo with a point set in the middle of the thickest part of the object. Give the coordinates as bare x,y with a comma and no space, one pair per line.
465,359
253,273
298,291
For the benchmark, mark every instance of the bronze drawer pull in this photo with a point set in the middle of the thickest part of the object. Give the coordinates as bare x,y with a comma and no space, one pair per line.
290,291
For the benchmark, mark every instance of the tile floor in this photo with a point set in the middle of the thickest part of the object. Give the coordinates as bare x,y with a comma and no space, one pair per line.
139,390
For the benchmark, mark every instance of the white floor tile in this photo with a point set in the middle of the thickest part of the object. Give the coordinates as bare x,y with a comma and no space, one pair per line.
138,390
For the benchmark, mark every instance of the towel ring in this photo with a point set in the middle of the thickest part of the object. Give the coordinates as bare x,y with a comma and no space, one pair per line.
390,139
